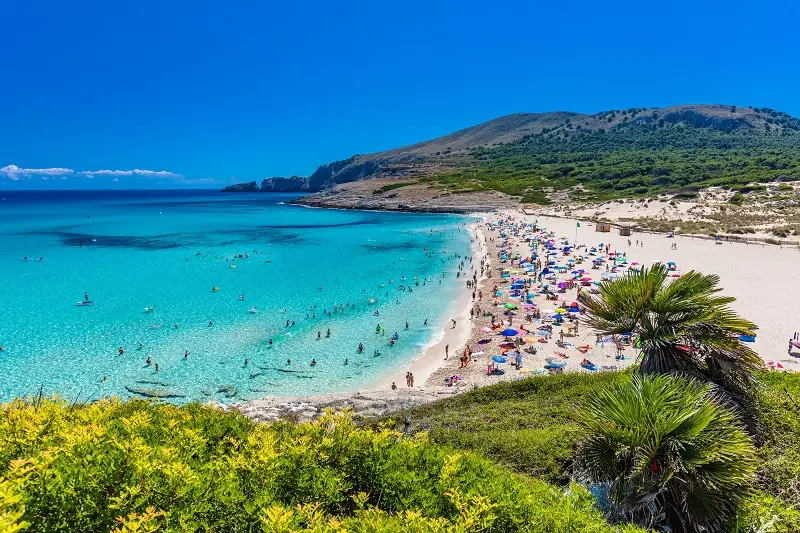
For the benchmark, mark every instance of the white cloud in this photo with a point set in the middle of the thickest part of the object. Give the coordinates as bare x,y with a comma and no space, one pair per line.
134,172
14,172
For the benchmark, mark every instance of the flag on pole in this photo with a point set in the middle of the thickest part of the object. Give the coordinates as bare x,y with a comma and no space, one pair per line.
578,225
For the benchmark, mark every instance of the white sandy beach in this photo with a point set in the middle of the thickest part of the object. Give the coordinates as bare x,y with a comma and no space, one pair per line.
764,279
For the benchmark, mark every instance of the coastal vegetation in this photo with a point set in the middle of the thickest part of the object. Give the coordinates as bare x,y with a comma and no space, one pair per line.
143,467
632,159
535,426
660,449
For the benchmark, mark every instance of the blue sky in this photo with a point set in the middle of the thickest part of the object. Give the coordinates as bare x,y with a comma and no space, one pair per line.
179,93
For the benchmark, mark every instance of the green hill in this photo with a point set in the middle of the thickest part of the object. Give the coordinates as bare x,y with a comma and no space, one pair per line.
620,153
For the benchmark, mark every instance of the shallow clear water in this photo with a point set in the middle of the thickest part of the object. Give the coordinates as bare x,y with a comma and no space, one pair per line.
167,249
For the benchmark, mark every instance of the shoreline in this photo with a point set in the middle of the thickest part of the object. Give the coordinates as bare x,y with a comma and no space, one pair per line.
739,270
430,360
379,399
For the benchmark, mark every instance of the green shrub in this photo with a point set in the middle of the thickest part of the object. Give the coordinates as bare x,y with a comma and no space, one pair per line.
666,453
138,466
530,425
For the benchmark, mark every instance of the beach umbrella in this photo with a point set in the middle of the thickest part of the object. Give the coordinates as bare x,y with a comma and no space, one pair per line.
562,285
558,316
774,364
499,359
586,278
510,306
561,310
509,332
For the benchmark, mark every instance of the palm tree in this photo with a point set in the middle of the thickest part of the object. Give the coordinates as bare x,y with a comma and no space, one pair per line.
681,327
663,451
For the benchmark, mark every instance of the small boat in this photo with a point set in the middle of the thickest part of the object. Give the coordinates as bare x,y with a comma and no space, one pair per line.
231,266
149,309
252,310
84,304
214,289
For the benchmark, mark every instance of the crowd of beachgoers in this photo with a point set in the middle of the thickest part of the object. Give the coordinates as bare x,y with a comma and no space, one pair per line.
526,309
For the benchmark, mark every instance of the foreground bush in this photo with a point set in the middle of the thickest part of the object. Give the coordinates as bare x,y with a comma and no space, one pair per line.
663,451
137,466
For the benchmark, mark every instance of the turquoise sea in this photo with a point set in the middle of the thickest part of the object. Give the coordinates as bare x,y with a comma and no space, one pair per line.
130,250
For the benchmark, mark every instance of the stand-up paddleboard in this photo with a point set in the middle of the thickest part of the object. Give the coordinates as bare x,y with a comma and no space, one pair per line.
84,304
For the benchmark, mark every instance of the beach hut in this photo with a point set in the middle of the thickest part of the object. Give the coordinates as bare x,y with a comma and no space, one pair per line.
602,227
625,230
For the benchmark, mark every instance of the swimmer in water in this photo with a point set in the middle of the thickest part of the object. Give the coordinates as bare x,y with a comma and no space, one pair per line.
425,323
245,362
270,341
121,350
85,296
156,367
175,325
210,323
148,360
186,354
360,348
345,361
319,335
328,335
313,362
377,352
140,346
288,361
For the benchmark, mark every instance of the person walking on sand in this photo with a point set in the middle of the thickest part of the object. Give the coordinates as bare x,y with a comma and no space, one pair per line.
394,386
453,320
446,351
410,380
